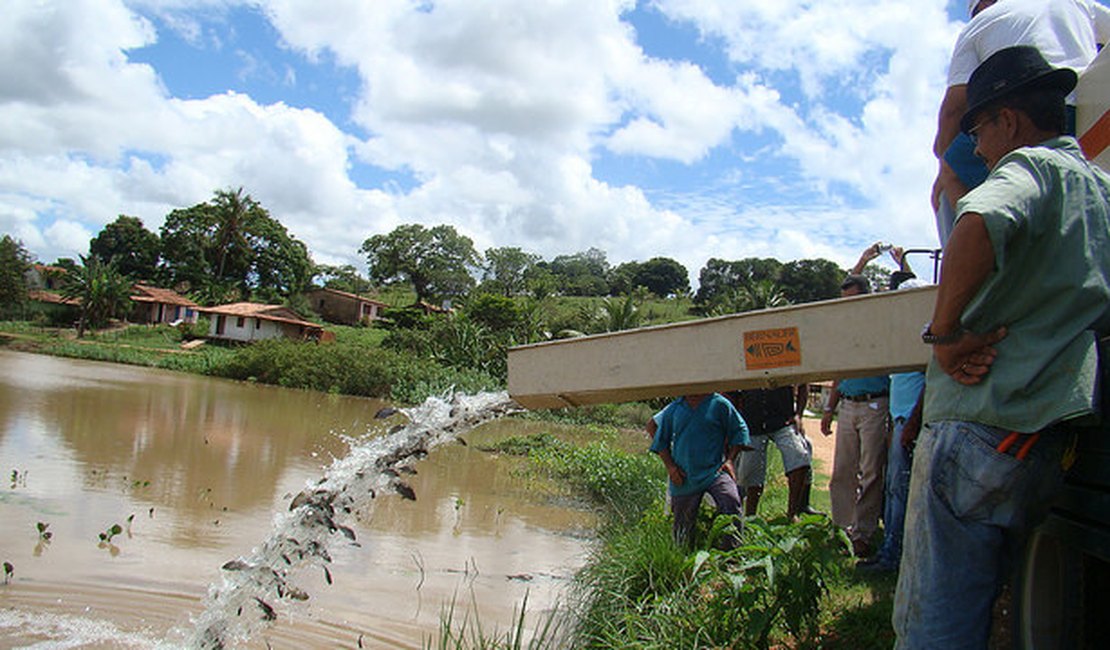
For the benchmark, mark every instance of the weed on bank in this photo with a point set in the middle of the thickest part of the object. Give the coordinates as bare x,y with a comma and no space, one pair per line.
640,590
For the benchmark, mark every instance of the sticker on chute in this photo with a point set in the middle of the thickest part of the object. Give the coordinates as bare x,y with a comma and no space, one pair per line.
776,348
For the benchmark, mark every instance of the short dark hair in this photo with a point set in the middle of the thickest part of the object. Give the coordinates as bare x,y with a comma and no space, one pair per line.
898,277
854,280
1044,106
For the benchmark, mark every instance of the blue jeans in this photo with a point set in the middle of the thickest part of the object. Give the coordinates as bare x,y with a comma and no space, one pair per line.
970,510
898,463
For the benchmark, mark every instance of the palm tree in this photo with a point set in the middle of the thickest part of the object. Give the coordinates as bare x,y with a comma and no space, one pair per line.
103,291
233,212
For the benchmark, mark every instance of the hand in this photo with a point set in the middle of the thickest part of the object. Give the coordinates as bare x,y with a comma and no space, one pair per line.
727,468
910,429
678,477
969,358
826,423
897,253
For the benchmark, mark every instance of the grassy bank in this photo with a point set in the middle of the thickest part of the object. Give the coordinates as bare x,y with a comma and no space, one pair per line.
351,365
789,584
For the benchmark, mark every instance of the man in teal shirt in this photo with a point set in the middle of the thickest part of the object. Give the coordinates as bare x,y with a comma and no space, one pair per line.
697,437
1023,296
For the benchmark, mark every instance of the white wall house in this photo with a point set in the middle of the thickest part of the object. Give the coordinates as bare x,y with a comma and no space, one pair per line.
247,321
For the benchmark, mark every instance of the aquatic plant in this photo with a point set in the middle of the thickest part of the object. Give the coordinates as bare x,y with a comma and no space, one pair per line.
9,571
44,534
110,532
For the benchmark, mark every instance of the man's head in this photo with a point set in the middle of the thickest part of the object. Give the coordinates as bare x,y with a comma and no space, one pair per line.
854,285
1015,98
975,6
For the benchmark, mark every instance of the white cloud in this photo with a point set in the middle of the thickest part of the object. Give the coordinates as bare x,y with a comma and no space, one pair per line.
499,111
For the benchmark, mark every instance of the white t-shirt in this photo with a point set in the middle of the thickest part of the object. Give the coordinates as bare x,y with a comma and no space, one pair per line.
1065,31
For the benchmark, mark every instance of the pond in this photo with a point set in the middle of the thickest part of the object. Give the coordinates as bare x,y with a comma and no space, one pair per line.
193,472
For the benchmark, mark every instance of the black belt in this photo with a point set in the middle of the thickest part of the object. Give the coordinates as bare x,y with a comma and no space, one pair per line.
864,397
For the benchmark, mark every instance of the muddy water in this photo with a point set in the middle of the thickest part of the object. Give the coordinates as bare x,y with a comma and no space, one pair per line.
193,471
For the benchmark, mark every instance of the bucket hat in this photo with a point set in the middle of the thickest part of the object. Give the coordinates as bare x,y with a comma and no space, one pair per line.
1006,72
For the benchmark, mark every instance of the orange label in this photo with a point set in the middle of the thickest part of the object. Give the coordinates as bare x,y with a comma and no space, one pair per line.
775,348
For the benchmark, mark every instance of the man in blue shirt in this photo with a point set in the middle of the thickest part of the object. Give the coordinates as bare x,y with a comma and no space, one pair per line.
856,486
698,437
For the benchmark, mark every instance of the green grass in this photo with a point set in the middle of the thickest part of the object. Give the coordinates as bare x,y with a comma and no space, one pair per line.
791,585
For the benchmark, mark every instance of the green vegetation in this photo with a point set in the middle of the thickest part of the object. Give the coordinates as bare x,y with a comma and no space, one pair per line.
789,584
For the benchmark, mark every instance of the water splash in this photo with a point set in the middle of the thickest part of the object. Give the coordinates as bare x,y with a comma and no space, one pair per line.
253,588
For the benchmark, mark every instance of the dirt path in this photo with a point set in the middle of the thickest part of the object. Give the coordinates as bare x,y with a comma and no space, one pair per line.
823,447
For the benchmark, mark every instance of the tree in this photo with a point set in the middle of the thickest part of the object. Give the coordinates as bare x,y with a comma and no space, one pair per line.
622,279
436,261
15,261
582,274
343,278
130,244
232,245
663,277
718,278
509,267
104,292
809,280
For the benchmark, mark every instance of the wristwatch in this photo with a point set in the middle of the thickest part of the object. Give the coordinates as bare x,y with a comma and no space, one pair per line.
928,338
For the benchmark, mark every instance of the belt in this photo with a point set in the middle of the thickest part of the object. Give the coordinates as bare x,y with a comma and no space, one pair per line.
864,397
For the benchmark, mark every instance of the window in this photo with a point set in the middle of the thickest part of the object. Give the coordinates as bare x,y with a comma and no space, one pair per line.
240,322
258,323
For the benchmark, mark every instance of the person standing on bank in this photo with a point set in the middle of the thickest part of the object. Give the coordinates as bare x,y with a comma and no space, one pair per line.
1024,296
698,437
775,415
856,486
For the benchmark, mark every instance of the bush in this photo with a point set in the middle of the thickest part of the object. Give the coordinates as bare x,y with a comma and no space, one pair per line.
347,368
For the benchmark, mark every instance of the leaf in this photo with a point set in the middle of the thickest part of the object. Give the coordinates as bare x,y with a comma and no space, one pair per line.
699,560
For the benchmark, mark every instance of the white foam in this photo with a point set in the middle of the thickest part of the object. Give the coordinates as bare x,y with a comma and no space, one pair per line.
260,586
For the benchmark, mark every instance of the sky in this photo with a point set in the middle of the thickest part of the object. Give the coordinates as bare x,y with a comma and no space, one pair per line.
687,129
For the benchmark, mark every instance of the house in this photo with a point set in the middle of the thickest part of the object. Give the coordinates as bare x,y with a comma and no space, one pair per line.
43,277
345,308
250,321
153,305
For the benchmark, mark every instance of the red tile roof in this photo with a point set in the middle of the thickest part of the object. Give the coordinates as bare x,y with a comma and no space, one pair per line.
265,312
347,294
147,293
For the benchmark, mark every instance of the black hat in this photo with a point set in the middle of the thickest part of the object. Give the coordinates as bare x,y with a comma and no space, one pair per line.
1007,71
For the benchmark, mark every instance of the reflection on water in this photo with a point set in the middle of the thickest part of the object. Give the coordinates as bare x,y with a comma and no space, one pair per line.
200,465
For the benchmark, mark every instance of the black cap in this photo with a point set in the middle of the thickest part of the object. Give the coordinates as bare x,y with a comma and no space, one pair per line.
1006,72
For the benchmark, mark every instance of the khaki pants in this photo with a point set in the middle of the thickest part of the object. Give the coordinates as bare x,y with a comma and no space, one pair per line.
856,487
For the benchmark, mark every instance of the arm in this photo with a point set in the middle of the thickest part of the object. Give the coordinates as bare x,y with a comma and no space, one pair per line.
801,398
868,254
952,108
968,261
913,424
677,476
830,408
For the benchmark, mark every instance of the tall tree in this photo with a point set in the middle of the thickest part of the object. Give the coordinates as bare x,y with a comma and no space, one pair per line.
809,280
437,261
104,292
509,267
233,245
663,276
719,278
130,244
343,278
582,274
15,261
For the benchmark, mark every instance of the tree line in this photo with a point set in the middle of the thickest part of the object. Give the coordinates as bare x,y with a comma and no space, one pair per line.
231,248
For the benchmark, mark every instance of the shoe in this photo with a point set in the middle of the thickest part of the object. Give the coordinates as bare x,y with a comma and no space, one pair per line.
810,510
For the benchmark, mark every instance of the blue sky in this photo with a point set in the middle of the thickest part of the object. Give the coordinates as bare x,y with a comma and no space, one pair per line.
682,128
